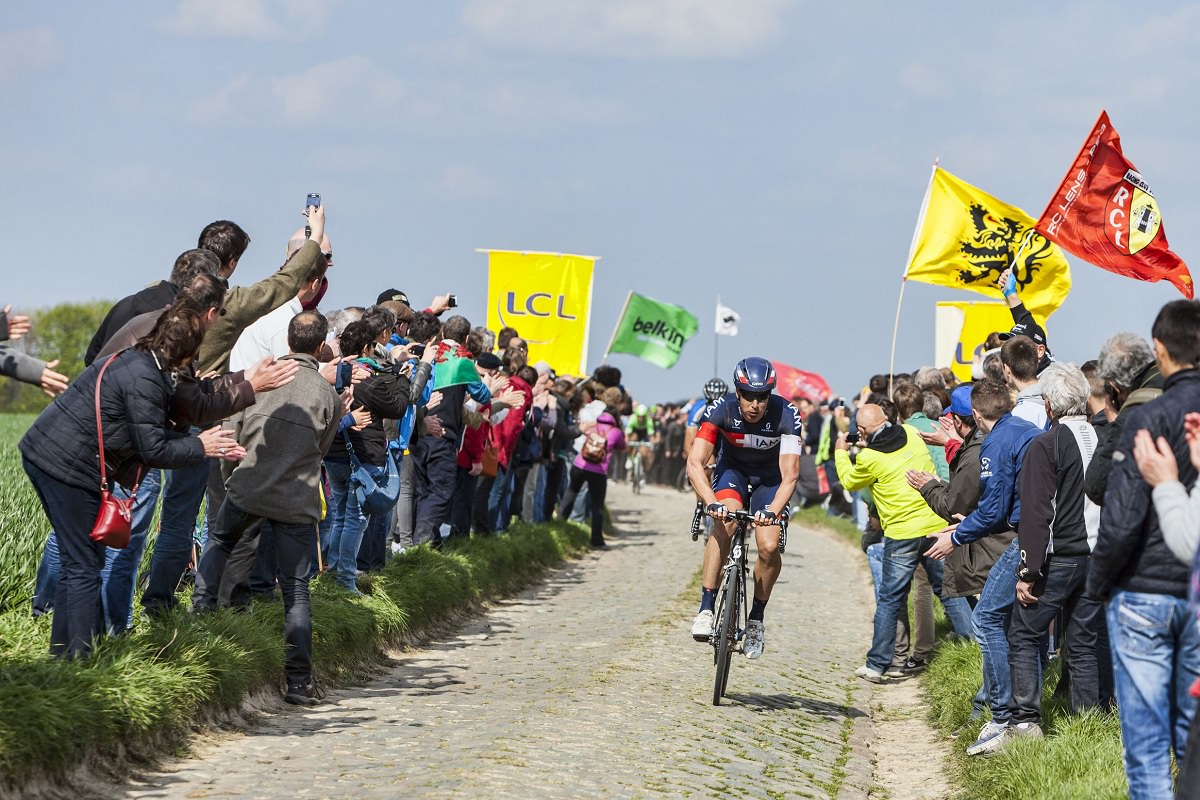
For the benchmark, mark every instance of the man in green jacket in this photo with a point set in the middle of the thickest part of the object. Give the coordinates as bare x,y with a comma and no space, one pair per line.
888,452
245,304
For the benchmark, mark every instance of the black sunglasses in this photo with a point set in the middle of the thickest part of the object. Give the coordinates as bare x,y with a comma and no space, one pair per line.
328,257
755,397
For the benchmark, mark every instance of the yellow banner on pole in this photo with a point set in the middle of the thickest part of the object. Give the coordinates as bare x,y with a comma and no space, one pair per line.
960,329
547,298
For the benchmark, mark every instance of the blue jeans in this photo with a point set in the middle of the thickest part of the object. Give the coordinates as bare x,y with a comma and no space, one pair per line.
182,494
1156,657
118,577
990,622
346,530
498,500
900,559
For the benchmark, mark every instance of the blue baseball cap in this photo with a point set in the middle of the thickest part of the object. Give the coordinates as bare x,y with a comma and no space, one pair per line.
960,401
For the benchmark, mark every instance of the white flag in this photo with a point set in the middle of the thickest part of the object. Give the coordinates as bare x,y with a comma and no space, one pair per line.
727,320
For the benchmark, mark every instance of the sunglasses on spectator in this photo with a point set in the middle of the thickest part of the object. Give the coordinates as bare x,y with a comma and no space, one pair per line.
328,257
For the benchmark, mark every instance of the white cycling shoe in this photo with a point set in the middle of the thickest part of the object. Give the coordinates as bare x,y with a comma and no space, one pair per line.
754,644
702,626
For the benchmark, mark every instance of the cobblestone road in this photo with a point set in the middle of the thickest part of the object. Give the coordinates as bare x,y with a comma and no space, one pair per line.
587,685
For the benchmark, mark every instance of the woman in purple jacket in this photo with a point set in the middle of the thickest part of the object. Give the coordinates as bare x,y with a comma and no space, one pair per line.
600,440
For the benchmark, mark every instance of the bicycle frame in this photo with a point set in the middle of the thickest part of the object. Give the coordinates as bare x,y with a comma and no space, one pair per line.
729,613
731,610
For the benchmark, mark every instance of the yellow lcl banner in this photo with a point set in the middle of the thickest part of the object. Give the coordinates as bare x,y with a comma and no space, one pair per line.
547,297
960,329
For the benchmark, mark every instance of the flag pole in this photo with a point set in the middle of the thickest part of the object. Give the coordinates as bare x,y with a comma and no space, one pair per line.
716,343
912,248
616,328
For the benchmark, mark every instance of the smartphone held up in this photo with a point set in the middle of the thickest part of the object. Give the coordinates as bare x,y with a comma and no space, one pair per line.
313,201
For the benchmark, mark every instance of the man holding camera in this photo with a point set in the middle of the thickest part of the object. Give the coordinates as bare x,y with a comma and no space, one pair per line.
888,451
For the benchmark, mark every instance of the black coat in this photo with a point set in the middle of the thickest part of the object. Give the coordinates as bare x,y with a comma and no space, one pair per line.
1146,386
152,298
134,398
1130,553
385,394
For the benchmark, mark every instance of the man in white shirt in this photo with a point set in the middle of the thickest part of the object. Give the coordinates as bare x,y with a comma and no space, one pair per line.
268,335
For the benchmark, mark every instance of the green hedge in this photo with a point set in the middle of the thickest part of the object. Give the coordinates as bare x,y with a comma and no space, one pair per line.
142,691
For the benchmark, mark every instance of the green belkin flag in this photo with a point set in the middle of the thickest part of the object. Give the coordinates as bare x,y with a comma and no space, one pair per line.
653,331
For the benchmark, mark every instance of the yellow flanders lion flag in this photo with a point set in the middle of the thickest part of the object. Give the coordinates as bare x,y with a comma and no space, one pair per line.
547,297
965,238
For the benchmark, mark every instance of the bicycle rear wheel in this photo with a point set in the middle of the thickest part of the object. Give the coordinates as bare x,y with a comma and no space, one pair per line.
725,634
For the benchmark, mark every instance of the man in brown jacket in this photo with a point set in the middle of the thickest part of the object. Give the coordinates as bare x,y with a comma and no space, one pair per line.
285,434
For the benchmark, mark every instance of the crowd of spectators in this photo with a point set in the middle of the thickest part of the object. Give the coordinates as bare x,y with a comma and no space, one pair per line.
313,442
1051,510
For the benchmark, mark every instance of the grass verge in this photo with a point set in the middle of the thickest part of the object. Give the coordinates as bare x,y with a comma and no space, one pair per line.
1080,756
140,693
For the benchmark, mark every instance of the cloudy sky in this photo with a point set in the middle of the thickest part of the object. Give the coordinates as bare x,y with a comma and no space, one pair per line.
774,152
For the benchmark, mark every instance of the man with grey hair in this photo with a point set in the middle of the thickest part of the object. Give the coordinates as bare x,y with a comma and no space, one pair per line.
1131,375
1053,537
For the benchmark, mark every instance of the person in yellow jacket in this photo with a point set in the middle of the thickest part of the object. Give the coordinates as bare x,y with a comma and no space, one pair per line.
888,451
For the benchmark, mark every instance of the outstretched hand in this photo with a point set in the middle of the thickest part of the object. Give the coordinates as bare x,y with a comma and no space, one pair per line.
53,383
18,326
270,373
943,545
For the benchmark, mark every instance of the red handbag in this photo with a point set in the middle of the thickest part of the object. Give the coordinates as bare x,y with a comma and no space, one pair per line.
114,522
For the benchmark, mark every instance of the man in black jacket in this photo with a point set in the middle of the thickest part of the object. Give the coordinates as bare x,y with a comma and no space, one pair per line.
1053,539
1131,378
1155,637
153,298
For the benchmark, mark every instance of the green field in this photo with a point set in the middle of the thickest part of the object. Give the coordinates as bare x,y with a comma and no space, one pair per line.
23,524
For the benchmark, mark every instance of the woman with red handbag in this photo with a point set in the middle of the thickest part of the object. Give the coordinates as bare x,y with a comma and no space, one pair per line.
118,409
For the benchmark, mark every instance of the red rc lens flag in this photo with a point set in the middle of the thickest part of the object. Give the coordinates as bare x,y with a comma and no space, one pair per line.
791,382
1105,214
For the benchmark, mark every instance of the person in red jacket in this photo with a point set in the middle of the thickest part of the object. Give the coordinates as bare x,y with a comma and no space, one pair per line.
506,430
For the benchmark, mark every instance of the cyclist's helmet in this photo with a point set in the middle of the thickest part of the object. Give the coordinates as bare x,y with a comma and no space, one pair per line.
754,375
640,410
715,389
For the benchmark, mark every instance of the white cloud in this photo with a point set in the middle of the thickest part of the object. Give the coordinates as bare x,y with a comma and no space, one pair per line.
628,28
247,19
921,80
26,51
347,90
137,181
466,182
356,91
1045,74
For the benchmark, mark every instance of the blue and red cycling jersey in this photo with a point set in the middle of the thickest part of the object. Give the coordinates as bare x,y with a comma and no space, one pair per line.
753,447
748,465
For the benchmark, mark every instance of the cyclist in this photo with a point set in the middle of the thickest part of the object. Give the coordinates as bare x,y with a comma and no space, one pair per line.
714,390
640,428
757,470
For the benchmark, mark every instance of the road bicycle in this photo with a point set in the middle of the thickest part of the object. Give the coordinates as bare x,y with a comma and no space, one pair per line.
730,611
637,476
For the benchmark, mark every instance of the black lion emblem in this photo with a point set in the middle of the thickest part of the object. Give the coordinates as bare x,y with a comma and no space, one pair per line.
991,249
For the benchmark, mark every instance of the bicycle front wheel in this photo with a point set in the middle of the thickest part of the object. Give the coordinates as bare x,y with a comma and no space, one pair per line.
726,634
